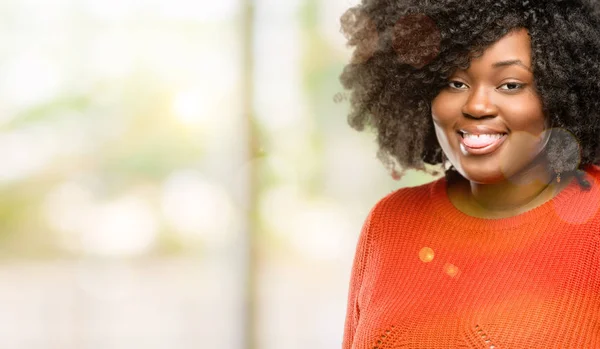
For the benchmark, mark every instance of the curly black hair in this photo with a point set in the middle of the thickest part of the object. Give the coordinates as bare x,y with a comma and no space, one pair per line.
405,51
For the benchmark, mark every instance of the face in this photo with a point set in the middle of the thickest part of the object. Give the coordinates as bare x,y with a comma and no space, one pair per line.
489,119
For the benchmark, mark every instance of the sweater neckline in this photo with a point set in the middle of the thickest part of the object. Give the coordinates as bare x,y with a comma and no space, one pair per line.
443,206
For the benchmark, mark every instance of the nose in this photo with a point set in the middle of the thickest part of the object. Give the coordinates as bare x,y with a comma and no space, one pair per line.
479,104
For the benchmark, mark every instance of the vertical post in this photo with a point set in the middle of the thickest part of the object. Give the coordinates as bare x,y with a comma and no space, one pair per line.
250,300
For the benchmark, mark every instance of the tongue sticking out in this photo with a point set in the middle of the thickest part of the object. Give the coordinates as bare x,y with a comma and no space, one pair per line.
480,141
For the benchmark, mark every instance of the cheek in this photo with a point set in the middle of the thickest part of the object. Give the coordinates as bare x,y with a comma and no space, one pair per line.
446,109
528,134
526,116
443,132
444,118
439,110
441,136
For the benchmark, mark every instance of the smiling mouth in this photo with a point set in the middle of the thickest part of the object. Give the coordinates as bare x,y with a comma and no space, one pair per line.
481,143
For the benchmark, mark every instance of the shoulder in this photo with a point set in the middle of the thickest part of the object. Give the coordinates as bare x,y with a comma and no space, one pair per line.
592,176
404,202
594,172
591,197
411,196
576,205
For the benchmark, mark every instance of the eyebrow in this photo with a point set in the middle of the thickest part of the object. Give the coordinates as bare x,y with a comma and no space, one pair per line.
510,62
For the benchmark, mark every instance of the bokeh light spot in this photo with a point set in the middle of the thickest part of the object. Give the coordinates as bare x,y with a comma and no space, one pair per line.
416,40
426,254
451,269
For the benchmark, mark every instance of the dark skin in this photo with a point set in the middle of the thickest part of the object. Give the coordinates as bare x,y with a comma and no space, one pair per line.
497,91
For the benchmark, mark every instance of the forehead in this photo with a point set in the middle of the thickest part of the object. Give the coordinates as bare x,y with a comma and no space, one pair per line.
515,45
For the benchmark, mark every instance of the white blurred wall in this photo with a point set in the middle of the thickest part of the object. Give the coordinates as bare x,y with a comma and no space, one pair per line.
153,260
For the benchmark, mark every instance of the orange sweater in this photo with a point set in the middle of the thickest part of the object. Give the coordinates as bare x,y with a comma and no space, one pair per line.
426,275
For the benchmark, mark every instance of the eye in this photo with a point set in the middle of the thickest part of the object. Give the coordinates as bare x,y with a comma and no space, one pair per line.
457,85
511,86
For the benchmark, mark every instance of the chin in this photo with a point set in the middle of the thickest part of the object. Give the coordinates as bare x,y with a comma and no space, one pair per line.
482,176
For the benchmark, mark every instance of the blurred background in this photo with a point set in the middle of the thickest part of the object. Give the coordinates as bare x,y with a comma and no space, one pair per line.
178,174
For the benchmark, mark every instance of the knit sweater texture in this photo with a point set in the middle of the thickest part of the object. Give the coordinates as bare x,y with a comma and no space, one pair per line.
426,275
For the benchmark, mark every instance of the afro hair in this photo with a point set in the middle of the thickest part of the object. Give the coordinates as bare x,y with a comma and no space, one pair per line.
405,51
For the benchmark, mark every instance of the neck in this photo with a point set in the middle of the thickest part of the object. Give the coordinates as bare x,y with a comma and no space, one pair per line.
511,196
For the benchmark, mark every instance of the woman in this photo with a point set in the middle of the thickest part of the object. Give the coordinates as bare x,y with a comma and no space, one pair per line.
504,250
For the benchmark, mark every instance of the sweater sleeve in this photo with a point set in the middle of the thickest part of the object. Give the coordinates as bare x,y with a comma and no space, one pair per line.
356,278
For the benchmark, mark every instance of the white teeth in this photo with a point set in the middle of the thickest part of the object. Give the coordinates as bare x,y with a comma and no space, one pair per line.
495,135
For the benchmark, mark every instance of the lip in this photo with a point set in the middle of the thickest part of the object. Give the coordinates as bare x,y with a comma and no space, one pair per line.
485,150
481,129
